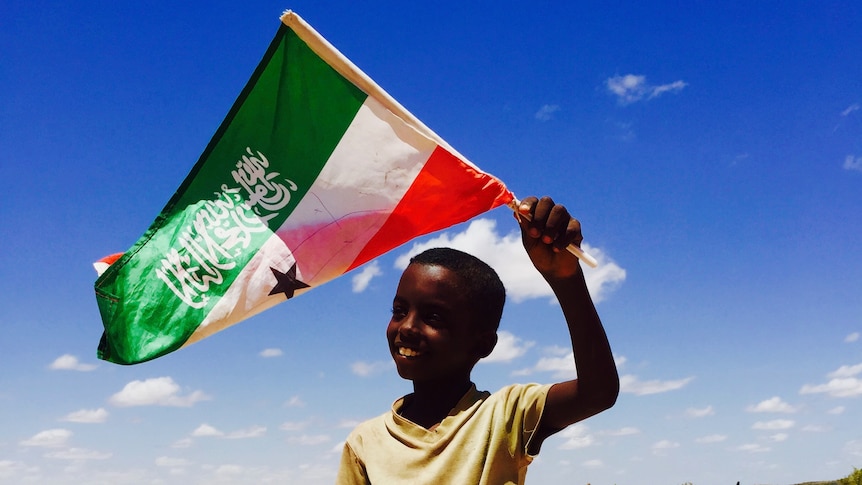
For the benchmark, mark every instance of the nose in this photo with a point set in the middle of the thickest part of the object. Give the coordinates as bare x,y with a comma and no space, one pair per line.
409,325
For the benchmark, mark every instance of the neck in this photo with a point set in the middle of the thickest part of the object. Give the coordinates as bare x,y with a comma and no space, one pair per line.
431,402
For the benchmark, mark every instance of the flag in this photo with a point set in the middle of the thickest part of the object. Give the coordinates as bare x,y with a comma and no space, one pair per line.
314,171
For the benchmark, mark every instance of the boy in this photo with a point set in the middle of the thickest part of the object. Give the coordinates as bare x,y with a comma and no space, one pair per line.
444,319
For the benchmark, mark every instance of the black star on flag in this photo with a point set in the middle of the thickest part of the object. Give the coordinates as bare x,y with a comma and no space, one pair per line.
286,282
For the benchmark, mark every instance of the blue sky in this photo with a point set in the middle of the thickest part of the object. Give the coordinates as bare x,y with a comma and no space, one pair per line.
713,154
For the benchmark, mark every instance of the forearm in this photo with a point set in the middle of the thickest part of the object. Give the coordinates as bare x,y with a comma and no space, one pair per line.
597,385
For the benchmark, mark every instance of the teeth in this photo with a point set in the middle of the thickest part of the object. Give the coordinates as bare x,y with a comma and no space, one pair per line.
407,352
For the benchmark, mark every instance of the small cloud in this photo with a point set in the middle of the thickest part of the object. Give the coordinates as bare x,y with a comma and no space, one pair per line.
842,383
753,448
626,431
836,410
362,279
168,462
853,337
159,391
771,405
775,424
814,428
87,416
294,402
70,362
509,347
853,447
252,432
561,366
267,353
182,443
713,438
699,412
310,440
348,423
660,447
206,430
853,107
293,425
631,384
593,464
50,438
853,163
366,369
78,454
631,88
546,112
576,436
779,437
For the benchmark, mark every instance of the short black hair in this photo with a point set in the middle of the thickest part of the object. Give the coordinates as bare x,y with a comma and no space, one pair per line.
481,283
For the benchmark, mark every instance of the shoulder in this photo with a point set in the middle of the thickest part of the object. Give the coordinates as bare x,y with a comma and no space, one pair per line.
521,394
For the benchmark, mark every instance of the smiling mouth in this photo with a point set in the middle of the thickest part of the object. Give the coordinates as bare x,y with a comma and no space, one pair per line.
405,352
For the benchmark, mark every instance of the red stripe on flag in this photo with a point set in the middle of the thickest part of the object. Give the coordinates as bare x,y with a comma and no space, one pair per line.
447,191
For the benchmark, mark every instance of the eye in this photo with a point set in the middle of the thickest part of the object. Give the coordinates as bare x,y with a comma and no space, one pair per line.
398,312
434,319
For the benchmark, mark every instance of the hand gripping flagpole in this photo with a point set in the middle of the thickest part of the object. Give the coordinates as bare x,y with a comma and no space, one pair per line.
572,248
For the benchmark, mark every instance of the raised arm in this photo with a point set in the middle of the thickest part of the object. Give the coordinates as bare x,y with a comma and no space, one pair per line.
545,233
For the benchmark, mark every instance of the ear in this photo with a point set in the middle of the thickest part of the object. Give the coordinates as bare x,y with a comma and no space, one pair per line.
485,343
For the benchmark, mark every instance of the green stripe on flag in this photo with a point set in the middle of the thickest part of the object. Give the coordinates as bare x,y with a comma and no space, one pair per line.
260,163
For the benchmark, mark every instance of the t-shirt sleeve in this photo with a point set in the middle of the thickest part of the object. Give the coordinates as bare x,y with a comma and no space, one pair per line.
352,470
524,404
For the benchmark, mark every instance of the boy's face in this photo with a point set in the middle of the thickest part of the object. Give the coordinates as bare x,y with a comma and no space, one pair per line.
431,334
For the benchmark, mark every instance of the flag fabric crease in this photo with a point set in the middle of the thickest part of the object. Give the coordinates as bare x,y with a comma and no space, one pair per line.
314,171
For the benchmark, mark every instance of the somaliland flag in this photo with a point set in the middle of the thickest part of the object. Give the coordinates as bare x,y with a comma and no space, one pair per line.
314,171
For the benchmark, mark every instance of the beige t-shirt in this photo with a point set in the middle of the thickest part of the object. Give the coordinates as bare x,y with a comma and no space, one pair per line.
483,440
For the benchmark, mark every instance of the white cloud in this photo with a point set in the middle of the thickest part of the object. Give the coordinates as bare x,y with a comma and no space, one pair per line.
853,337
365,369
836,410
509,347
546,112
293,425
9,468
699,412
561,366
853,107
845,371
771,405
158,391
309,440
631,384
842,383
182,443
87,416
631,88
713,438
294,402
50,438
661,447
626,431
363,278
779,437
70,362
753,448
271,353
576,436
853,163
507,256
206,430
166,461
853,447
814,428
252,432
774,425
593,464
78,454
